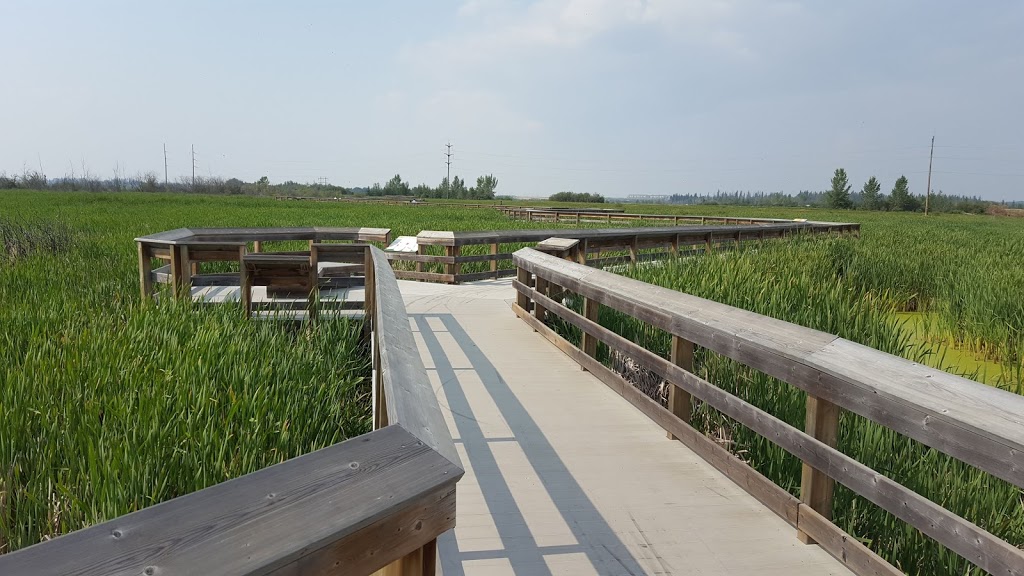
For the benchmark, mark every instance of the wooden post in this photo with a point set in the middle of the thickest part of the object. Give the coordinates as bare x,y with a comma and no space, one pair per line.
591,310
523,300
420,562
539,311
494,259
145,271
557,214
245,289
187,268
257,246
675,245
454,268
581,252
420,250
632,250
176,271
815,486
577,218
709,243
680,402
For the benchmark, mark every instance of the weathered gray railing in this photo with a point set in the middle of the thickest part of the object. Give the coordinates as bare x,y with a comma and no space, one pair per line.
977,424
663,241
184,249
596,216
376,502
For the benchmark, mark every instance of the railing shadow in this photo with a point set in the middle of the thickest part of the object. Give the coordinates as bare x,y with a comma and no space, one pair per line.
518,546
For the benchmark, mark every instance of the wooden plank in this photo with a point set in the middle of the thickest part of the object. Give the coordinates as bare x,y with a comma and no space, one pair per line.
420,258
327,508
959,535
979,424
680,402
822,422
495,258
848,550
430,276
411,401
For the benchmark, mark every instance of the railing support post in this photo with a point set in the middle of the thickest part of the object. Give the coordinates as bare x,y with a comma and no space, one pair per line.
145,271
815,486
680,402
494,259
539,311
455,268
522,300
591,310
176,271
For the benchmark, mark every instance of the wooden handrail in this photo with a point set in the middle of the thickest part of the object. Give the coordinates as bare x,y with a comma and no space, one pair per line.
974,423
307,515
410,399
374,503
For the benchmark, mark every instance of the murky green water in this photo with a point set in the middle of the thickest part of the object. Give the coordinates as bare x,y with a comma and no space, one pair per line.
944,356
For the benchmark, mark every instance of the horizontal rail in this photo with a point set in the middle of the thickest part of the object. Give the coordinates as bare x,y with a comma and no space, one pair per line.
975,423
317,512
409,397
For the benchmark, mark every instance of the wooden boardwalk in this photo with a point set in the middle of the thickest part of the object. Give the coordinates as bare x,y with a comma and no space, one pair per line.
563,476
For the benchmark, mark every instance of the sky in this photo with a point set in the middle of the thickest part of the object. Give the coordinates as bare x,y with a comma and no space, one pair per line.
615,97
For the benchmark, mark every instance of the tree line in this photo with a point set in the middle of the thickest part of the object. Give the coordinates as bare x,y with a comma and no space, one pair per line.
484,190
577,197
899,199
84,180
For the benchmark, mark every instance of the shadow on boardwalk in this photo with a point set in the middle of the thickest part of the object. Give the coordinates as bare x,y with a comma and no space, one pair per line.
569,536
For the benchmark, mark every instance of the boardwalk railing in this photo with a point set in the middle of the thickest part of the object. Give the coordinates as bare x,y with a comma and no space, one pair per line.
184,249
582,215
376,502
977,424
634,244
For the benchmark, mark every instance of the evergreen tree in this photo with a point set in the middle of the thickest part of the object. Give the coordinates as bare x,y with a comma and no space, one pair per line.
900,198
839,195
870,199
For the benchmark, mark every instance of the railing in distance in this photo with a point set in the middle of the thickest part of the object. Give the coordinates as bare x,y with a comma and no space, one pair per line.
977,424
372,503
658,242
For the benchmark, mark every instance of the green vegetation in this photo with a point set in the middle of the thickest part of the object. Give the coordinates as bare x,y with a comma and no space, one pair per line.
957,272
577,197
839,196
108,404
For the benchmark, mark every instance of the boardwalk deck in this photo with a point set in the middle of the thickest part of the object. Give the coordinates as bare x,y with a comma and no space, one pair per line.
563,475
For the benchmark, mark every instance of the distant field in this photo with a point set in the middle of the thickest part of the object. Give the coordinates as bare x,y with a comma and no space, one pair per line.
108,405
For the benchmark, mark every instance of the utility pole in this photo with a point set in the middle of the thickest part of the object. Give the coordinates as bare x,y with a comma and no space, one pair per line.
448,154
165,166
928,192
193,167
